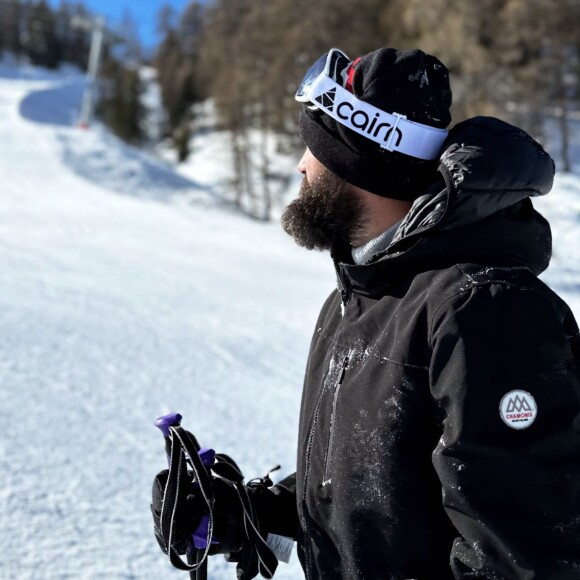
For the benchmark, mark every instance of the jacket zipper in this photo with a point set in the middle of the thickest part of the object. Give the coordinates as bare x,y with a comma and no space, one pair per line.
303,517
328,460
343,287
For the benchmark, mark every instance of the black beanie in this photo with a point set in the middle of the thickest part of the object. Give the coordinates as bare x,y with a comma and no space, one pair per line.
408,82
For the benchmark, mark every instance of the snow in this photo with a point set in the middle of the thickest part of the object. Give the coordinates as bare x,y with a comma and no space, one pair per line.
562,209
130,290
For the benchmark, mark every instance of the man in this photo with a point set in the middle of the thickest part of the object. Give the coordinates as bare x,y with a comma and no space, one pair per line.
440,423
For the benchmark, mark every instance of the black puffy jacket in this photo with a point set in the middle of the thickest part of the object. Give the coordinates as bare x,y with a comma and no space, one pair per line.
440,423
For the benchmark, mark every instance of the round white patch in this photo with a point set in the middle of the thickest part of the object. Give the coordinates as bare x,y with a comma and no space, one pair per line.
518,409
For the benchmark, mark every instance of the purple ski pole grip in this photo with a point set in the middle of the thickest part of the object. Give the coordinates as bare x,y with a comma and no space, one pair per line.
207,455
166,421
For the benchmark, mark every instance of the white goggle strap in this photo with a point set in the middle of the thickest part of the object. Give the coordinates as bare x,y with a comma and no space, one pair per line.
392,132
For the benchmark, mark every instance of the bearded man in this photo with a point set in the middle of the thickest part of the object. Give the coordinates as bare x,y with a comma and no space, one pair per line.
439,431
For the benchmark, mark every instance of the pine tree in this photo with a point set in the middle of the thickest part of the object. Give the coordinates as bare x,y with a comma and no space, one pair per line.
75,41
10,26
120,105
177,63
42,44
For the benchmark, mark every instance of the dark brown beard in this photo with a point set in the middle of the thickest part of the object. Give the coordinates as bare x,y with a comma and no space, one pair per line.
326,212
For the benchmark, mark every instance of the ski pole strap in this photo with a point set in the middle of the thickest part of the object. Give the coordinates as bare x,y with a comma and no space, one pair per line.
184,453
267,561
226,468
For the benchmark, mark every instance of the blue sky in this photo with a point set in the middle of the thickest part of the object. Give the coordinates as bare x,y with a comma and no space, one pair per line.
144,13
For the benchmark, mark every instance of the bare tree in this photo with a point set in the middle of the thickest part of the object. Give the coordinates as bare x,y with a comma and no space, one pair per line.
510,58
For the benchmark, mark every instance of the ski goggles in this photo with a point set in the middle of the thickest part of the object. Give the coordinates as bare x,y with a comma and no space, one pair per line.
322,87
332,64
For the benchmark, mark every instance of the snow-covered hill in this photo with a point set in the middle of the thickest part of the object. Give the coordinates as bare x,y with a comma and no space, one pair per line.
128,291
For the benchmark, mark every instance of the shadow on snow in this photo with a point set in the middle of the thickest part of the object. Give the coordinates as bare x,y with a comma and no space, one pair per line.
103,159
99,157
58,105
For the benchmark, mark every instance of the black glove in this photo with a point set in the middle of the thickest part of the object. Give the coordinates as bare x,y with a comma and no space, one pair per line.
275,505
230,524
270,508
228,516
204,483
184,523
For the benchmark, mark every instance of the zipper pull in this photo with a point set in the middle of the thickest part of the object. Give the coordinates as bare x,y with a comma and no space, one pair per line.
345,291
344,367
343,285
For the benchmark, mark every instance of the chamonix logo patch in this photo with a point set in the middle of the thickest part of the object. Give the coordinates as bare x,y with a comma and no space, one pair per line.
518,409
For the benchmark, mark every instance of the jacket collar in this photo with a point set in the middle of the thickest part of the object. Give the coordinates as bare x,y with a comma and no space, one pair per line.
478,209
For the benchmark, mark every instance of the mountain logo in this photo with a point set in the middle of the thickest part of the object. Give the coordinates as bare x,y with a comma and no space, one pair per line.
518,409
518,404
327,99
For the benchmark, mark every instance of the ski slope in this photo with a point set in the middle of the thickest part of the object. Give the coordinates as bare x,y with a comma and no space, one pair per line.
128,291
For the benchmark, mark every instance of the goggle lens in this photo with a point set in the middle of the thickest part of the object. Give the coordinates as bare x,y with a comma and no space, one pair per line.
311,75
331,64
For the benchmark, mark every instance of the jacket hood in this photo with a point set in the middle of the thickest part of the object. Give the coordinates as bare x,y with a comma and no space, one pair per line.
477,209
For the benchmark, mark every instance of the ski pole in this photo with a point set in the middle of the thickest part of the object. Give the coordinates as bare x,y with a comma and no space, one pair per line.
164,423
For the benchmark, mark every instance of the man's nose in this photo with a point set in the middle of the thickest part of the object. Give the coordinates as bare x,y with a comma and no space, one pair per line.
302,163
